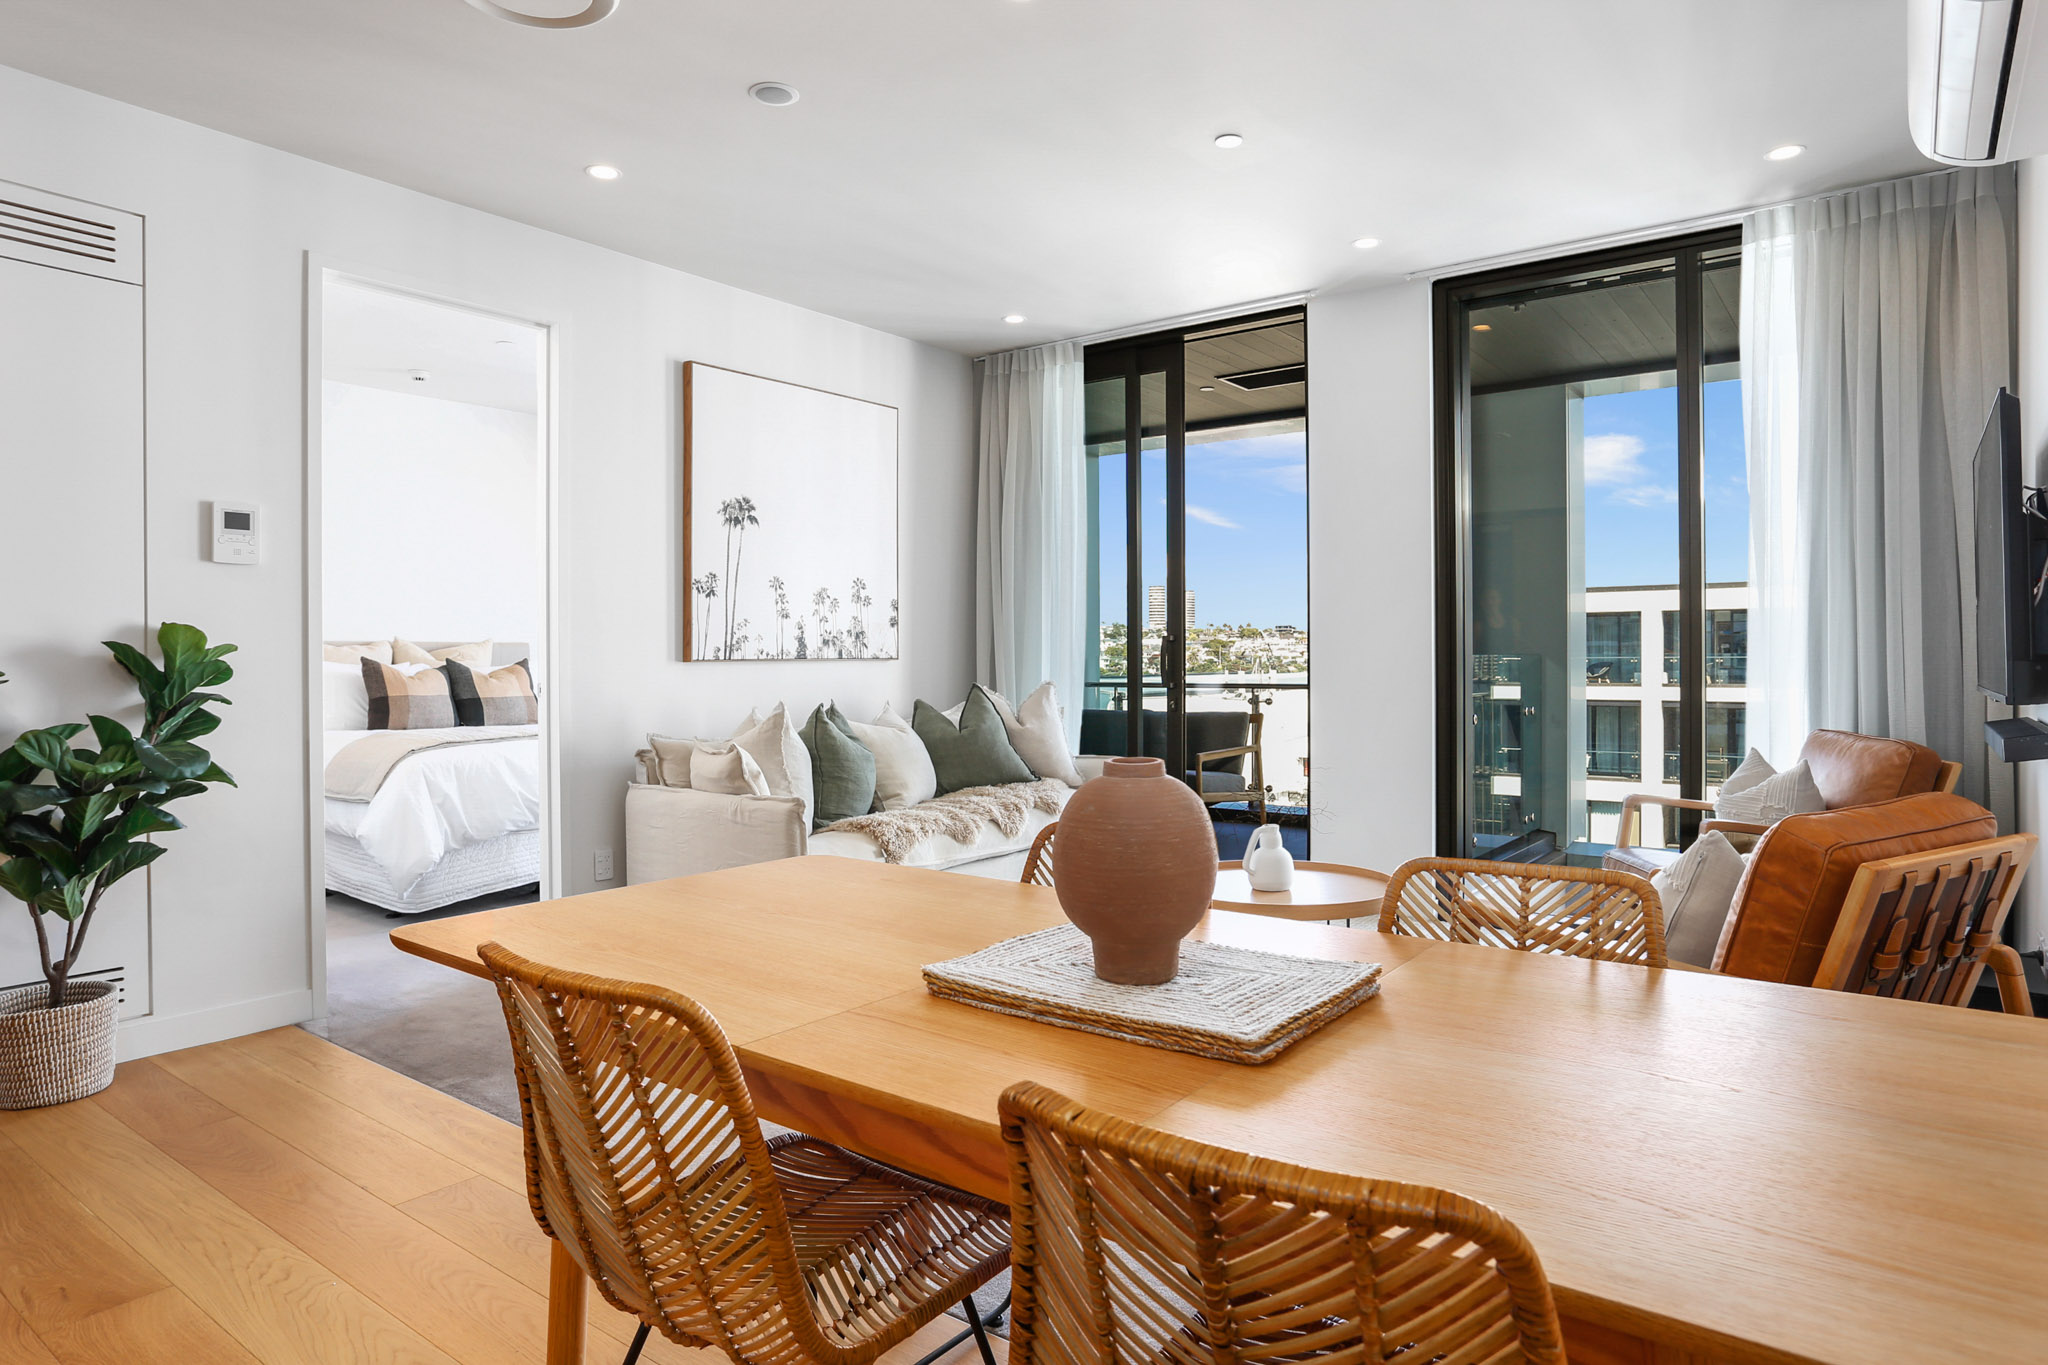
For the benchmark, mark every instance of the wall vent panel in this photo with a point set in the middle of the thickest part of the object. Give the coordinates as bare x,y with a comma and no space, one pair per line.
69,234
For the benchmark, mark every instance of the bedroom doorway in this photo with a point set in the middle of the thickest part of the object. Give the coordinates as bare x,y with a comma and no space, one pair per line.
431,519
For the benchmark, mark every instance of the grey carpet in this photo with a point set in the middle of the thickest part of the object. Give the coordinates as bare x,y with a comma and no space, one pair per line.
440,1027
444,1028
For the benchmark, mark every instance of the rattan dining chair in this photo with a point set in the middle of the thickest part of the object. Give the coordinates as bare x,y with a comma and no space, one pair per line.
645,1160
1038,865
1576,911
1134,1245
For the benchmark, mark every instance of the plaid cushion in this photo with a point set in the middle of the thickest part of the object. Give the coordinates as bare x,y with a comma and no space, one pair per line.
501,696
398,702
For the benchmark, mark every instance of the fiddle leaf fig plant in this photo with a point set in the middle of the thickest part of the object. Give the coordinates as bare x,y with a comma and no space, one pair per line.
74,820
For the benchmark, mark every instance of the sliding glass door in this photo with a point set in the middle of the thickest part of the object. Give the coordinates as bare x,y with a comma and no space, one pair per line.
1197,444
1593,504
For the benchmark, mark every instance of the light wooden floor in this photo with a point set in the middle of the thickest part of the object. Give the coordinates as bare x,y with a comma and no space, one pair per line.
278,1200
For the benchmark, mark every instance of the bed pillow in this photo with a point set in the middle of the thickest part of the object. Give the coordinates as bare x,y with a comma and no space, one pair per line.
344,698
380,650
903,766
476,654
1792,792
398,700
842,768
977,751
499,696
1697,892
784,760
726,769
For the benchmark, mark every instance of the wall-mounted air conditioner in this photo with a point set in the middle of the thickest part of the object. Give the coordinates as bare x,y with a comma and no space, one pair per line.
1968,97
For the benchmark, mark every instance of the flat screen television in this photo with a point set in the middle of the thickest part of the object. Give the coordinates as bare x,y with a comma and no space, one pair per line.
2012,545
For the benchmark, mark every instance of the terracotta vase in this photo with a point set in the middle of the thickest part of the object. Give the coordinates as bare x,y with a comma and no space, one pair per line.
1136,860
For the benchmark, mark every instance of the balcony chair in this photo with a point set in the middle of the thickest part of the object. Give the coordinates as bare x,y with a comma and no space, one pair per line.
1576,911
1850,770
1220,743
645,1161
1134,1245
1901,898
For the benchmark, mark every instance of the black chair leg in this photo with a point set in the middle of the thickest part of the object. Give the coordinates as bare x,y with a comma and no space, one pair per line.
988,1357
639,1340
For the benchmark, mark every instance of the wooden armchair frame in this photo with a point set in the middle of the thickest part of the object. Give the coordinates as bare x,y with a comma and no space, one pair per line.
1629,828
1924,926
1254,793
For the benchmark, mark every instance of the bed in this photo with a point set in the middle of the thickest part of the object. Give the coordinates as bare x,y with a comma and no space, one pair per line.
435,816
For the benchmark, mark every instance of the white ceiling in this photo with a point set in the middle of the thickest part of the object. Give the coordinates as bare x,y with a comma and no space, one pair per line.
952,161
384,340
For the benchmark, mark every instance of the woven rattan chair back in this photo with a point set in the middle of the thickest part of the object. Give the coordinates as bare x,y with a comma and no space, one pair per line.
1577,911
646,1161
1920,927
1038,866
1133,1245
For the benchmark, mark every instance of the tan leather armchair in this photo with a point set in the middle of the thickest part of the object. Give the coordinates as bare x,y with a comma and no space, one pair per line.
1850,770
1800,878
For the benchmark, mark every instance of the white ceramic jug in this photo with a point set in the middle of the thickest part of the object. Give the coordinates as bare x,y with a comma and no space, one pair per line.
1268,866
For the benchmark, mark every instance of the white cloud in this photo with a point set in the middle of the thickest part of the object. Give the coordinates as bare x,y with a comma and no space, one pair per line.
1643,495
1614,458
1212,518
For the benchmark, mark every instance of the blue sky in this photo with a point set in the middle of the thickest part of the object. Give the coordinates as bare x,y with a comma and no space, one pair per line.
1632,487
1247,530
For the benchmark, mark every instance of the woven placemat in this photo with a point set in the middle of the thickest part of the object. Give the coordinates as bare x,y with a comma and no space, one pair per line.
1234,1004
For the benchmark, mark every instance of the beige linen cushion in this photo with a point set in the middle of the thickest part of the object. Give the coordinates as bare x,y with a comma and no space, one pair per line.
727,770
1697,892
779,749
904,774
476,654
1792,792
380,650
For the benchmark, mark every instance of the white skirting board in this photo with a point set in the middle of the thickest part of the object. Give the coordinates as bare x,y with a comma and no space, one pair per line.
500,864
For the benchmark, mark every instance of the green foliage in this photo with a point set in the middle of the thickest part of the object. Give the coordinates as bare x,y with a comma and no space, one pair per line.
75,820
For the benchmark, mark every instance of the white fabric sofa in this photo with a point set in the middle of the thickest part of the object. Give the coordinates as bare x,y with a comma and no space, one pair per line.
679,832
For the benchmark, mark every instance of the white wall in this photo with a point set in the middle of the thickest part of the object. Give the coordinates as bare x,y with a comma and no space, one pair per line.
432,517
1372,577
2031,779
230,224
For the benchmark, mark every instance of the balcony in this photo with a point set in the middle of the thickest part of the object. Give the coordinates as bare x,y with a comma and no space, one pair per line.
1626,764
1614,670
1723,670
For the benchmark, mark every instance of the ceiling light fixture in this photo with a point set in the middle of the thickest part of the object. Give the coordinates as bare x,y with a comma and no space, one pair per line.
1482,327
583,18
774,94
1208,388
601,172
1013,318
1365,243
1786,152
1229,140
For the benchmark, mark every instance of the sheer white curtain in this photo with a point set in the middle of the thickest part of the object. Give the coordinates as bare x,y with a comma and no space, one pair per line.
1032,529
1877,325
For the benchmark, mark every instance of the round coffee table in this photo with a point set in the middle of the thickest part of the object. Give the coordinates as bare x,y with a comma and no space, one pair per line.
1322,891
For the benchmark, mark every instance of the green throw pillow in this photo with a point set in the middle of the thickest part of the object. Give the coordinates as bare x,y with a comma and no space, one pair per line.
842,769
975,753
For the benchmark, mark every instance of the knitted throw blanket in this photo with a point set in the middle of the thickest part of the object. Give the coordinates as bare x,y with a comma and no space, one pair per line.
959,815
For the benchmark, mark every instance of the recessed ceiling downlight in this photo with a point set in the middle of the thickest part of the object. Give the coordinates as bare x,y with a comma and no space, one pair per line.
1229,140
583,18
774,93
1013,318
1786,152
601,172
1365,243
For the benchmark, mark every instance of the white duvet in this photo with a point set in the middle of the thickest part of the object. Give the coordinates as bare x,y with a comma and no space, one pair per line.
440,800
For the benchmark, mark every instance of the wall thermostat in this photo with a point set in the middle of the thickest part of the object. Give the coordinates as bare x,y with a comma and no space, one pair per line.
234,533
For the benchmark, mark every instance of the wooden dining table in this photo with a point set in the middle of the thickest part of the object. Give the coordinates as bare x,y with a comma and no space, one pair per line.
1712,1169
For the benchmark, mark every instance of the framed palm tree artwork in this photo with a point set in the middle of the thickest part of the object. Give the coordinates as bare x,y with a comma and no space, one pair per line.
789,520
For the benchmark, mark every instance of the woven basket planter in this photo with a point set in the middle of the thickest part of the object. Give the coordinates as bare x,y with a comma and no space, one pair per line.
49,1056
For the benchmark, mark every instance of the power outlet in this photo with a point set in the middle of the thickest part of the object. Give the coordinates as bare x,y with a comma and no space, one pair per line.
601,865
